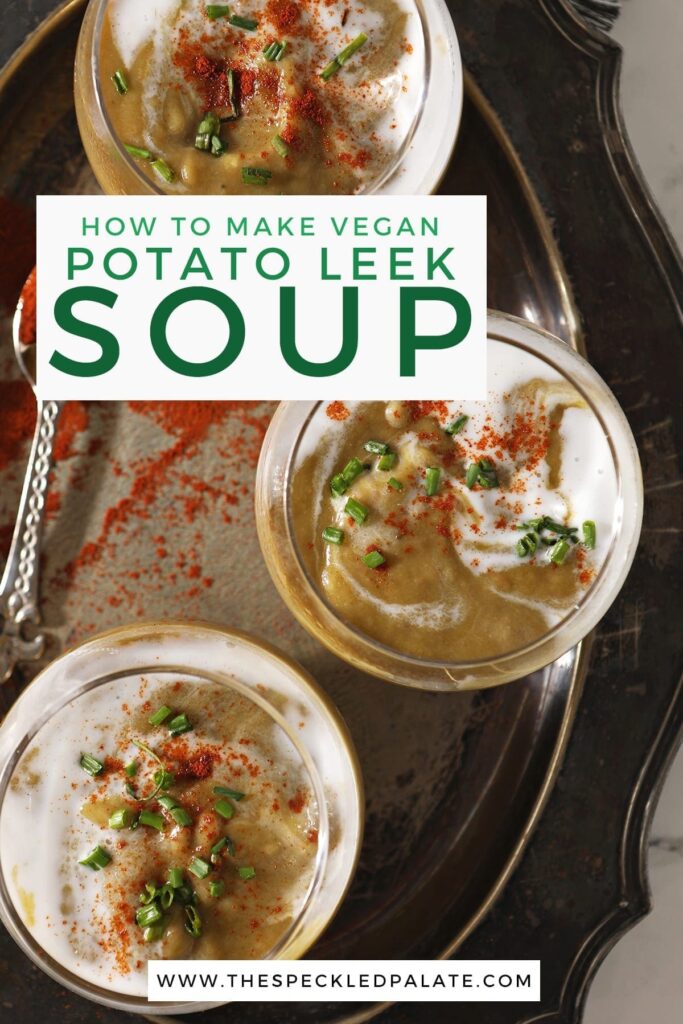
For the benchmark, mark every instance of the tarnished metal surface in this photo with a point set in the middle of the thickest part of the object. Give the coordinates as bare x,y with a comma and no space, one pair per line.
154,517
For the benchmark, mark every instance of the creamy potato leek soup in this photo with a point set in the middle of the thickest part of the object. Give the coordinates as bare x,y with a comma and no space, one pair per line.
288,96
163,818
457,531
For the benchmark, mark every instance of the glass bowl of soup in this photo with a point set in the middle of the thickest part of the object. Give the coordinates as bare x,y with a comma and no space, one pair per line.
455,545
172,791
268,96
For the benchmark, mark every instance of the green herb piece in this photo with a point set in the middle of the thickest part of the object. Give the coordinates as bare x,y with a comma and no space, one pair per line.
224,808
333,535
149,895
376,447
352,470
216,889
395,484
482,473
589,533
335,65
558,552
457,425
356,510
91,765
374,559
198,867
121,818
180,816
152,820
167,802
217,146
193,924
432,478
234,794
131,769
166,896
163,779
338,485
224,843
150,914
526,545
256,175
153,933
175,877
275,50
185,895
387,461
138,151
239,22
231,111
160,715
280,146
163,170
246,873
179,725
120,82
215,11
96,859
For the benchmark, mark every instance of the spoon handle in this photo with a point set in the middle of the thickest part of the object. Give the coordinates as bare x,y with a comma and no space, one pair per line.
19,584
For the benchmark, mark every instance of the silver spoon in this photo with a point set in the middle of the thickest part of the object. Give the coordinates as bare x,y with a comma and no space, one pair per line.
19,584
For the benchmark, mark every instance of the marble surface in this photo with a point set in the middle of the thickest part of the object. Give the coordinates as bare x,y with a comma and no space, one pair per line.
641,979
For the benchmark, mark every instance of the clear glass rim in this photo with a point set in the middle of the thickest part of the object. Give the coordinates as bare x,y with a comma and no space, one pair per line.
393,169
8,910
599,595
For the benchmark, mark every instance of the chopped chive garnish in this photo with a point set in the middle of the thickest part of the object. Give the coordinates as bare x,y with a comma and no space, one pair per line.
230,112
387,461
352,469
432,477
256,175
526,545
160,716
395,484
217,847
91,765
96,859
376,447
121,818
163,170
153,933
215,11
163,779
131,769
558,552
224,808
198,867
356,510
457,425
180,816
482,473
246,873
193,924
150,914
275,50
335,65
217,146
152,820
589,533
120,82
280,146
234,794
185,895
167,802
338,485
175,877
239,22
216,889
333,535
179,725
374,559
149,895
138,151
224,843
166,896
